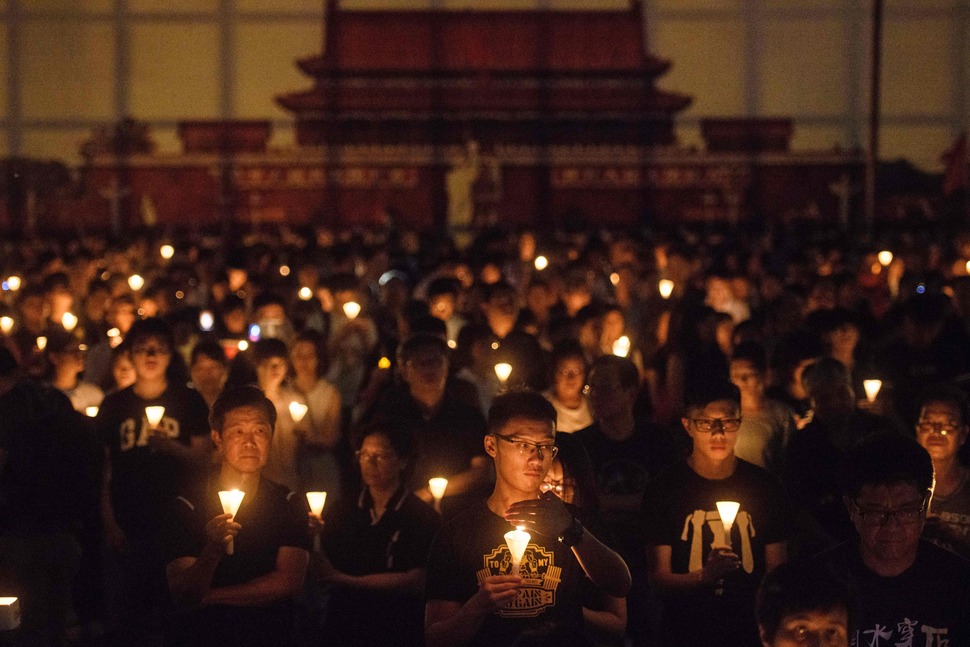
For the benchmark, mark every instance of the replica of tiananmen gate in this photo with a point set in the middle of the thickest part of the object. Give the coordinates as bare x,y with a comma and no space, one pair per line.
439,118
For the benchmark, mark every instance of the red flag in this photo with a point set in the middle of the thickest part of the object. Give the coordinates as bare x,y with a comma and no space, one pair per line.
955,176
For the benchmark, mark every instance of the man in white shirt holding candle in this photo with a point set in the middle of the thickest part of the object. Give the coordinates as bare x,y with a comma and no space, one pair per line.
473,595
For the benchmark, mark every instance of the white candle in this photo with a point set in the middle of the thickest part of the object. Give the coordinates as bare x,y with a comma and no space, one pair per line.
517,541
154,415
621,347
230,500
885,257
297,410
42,342
305,293
316,501
503,371
437,486
728,511
541,263
91,411
666,287
872,388
351,309
9,613
166,251
69,321
136,282
6,324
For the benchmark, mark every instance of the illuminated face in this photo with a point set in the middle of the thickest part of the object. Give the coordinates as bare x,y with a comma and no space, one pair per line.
714,430
889,521
271,372
123,371
940,430
518,464
747,378
245,439
819,628
569,377
380,464
303,356
151,357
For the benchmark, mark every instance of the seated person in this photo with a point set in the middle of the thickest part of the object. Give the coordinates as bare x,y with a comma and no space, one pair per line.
375,545
908,591
799,605
242,598
474,595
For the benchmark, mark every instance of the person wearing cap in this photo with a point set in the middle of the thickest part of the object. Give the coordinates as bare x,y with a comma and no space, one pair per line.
708,580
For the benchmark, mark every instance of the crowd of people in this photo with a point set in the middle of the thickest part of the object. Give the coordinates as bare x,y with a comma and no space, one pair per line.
605,392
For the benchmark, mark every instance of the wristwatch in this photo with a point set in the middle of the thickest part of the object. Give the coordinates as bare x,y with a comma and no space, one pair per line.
572,535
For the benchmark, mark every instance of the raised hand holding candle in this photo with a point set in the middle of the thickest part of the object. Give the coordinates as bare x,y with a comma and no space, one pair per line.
298,410
517,541
316,501
728,511
437,486
872,388
230,500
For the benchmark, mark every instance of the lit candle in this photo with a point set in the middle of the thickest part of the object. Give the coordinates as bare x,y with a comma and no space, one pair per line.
167,251
316,501
9,613
6,325
284,270
91,412
666,287
242,344
438,487
384,363
305,293
42,342
503,371
615,278
541,263
154,415
207,320
727,510
69,321
885,257
621,347
297,410
230,500
136,282
13,283
517,541
351,309
872,388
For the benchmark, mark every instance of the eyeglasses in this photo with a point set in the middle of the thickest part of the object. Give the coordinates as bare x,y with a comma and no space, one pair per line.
942,428
378,459
708,425
903,516
526,448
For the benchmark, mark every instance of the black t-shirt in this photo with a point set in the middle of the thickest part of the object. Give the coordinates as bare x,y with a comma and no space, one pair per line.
472,547
145,482
680,511
357,544
272,518
928,604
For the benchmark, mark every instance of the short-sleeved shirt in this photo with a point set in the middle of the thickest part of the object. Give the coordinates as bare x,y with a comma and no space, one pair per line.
272,518
358,544
954,511
680,511
472,547
145,482
928,604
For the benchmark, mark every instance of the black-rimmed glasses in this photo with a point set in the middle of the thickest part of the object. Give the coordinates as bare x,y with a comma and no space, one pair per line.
526,448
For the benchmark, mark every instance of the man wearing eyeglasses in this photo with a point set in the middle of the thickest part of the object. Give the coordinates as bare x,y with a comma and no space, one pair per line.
908,591
473,595
708,577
